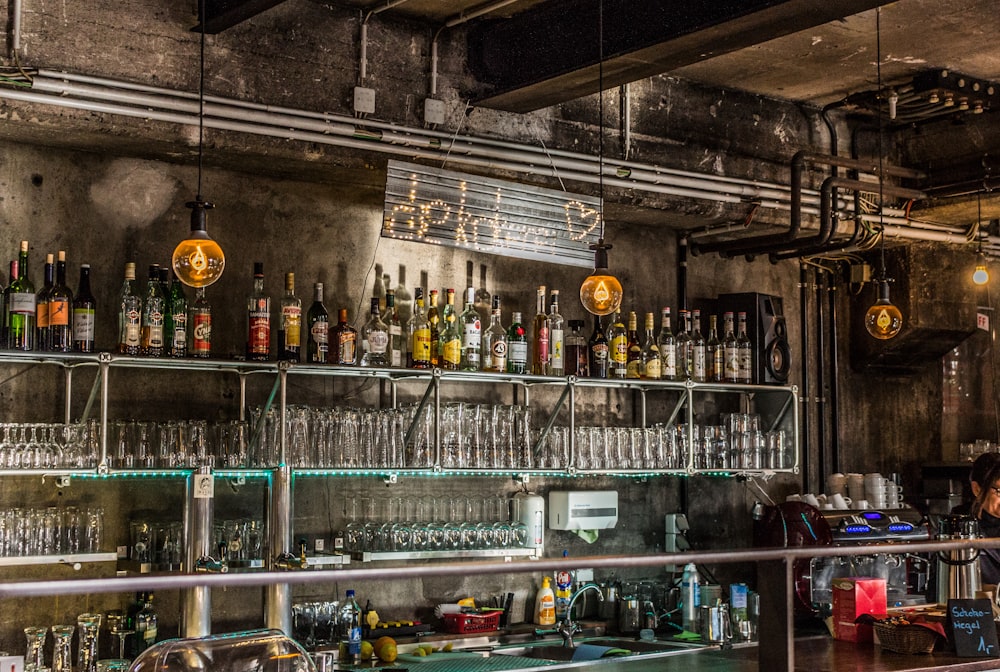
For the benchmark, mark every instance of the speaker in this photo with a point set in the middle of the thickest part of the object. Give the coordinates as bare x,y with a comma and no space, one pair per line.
768,334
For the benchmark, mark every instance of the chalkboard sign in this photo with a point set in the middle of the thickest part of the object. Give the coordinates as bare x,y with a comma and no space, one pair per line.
972,628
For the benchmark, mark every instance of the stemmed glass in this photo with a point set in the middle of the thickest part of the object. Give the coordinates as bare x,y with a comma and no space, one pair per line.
116,626
35,652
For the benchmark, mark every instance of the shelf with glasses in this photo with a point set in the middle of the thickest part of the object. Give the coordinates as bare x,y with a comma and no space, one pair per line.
71,559
458,554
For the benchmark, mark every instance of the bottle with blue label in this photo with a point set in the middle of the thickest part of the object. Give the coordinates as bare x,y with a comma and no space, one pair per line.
350,622
564,591
690,597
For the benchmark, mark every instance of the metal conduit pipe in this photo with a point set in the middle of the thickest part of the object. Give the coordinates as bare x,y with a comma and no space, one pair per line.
834,375
819,285
775,257
804,393
798,164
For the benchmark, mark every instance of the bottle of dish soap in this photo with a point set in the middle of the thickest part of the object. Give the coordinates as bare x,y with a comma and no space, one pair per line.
545,604
563,591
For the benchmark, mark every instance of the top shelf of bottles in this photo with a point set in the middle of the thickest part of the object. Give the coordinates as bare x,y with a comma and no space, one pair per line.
76,360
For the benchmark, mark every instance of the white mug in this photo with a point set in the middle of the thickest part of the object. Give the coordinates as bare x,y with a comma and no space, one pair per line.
838,501
861,504
793,498
836,483
810,499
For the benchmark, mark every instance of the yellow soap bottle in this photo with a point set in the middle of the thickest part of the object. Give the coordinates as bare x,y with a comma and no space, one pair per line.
545,604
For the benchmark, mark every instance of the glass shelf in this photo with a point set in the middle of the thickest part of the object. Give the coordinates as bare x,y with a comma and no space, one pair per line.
470,554
62,559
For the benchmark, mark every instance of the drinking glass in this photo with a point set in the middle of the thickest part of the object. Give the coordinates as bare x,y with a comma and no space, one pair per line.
355,531
88,629
436,529
93,530
34,656
62,648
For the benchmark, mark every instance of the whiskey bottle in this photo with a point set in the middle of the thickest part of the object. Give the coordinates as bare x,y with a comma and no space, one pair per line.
576,351
472,333
374,338
730,349
42,304
540,336
396,355
494,346
698,350
200,325
61,310
599,363
129,315
154,304
258,318
652,365
419,330
557,355
633,356
668,347
318,318
344,341
434,318
450,356
84,313
178,311
618,348
744,350
517,346
290,323
715,363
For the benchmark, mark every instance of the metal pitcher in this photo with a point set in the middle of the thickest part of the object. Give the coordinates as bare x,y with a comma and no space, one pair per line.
715,626
958,575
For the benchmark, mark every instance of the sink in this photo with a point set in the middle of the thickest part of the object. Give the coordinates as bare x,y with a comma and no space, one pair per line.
545,650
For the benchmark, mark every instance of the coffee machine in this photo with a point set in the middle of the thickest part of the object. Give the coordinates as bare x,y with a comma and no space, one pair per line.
792,524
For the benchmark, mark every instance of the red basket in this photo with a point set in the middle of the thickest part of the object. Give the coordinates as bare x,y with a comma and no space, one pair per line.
461,624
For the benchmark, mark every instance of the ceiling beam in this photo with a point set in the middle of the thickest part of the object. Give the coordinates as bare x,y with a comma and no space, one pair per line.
223,14
549,53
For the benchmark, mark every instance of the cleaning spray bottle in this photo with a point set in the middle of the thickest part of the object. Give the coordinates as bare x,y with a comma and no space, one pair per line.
545,604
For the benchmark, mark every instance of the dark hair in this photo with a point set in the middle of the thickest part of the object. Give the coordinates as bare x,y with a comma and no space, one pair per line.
985,470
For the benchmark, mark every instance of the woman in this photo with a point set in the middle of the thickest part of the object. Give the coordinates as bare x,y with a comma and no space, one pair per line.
985,482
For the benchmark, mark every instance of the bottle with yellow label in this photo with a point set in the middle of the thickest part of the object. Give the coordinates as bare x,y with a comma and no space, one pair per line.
451,338
545,604
419,330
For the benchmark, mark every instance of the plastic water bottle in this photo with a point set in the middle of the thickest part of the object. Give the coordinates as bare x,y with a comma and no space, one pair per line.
350,622
690,597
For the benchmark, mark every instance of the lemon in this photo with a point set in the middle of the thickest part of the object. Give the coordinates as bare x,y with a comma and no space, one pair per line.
447,647
366,650
388,653
419,652
381,643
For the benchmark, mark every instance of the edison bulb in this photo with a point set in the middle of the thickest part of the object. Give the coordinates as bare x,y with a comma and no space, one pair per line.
981,276
883,320
198,260
601,293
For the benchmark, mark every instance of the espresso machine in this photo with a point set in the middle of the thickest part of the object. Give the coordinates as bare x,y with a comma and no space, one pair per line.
799,524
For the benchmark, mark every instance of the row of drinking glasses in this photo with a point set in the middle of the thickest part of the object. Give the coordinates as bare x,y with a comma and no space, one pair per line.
176,444
43,446
431,524
50,531
87,627
716,447
316,623
613,448
161,544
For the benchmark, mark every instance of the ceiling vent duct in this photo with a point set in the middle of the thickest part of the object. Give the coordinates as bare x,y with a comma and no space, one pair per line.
931,95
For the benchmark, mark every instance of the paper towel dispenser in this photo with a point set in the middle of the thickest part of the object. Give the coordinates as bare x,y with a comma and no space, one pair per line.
583,510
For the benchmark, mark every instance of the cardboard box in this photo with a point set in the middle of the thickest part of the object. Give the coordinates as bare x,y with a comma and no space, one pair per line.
852,597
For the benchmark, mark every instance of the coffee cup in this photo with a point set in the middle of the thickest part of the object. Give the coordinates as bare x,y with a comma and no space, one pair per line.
810,499
838,501
794,498
861,504
836,483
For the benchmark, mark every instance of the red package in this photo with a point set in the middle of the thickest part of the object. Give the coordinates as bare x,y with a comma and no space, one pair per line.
852,597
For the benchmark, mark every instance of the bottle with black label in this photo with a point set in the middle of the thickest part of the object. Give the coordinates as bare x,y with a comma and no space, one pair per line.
600,360
318,318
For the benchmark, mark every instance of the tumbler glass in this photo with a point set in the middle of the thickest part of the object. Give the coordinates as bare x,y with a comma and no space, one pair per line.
62,649
88,628
34,656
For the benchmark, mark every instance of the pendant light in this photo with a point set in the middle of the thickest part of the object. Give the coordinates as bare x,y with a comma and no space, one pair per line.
198,260
601,293
980,276
883,319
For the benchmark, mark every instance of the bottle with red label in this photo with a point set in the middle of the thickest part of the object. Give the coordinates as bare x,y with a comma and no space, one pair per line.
200,325
540,337
258,318
344,340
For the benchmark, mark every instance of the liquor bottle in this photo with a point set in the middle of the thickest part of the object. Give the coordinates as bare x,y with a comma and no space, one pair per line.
699,364
350,619
683,342
744,351
419,334
395,330
557,355
21,306
375,338
42,304
318,318
599,355
618,348
146,623
517,346
540,336
730,351
344,341
472,333
290,323
450,355
164,275
715,356
61,310
652,365
200,325
129,315
379,288
258,318
84,313
576,351
177,308
434,318
154,305
633,353
494,346
668,347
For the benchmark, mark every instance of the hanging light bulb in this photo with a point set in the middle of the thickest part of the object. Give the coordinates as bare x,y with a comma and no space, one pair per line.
198,260
883,320
980,276
601,293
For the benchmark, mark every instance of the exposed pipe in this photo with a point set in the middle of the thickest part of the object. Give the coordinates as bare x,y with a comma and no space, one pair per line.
834,377
682,263
15,28
804,444
821,454
458,20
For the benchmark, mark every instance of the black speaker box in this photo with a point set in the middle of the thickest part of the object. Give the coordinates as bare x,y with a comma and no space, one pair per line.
768,333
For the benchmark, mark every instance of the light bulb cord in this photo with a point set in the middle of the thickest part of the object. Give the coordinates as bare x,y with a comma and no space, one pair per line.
600,109
881,131
201,95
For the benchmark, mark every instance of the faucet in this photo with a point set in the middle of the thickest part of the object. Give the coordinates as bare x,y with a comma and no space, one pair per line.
568,628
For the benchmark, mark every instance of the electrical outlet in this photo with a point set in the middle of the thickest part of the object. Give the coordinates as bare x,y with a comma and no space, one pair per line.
674,539
433,111
364,100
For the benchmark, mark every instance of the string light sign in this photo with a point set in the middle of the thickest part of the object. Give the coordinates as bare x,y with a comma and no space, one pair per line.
482,214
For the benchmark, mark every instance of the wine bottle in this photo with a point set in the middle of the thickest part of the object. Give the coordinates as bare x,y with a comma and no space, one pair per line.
557,345
730,350
290,322
318,317
715,356
745,352
42,304
683,342
698,349
84,314
60,310
651,367
668,347
576,350
129,315
258,318
21,306
434,318
633,355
